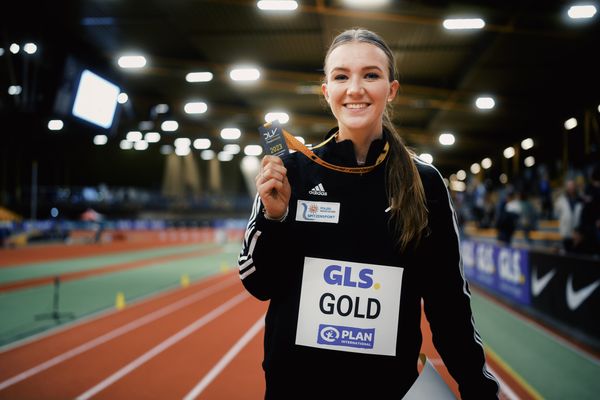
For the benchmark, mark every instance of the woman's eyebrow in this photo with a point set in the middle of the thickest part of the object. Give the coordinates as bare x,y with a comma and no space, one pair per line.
344,69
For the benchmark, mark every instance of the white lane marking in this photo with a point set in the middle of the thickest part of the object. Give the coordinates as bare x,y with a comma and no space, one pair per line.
116,333
226,359
504,388
165,344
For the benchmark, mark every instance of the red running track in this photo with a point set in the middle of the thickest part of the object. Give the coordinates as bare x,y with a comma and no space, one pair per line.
203,341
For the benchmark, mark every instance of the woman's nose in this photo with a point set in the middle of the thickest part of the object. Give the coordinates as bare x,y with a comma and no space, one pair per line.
355,87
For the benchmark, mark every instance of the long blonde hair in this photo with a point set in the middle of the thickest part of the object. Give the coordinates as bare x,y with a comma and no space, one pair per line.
404,186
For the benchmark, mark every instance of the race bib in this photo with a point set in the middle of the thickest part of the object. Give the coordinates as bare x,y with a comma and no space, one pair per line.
349,306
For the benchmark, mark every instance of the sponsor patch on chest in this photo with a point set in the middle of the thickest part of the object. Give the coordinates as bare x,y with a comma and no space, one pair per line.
318,211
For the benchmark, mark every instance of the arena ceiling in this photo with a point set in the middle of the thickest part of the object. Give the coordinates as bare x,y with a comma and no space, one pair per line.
540,67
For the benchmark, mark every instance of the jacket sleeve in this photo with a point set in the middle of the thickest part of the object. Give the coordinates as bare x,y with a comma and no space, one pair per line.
447,297
265,248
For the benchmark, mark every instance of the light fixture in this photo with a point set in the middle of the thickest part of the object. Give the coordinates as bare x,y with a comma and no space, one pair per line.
199,77
253,150
100,140
224,156
201,143
125,145
169,126
55,124
133,136
475,168
463,23
122,98
182,142
132,62
583,11
207,155
428,158
461,175
282,117
140,145
277,5
447,139
14,48
196,107
529,161
232,148
152,137
509,152
231,133
244,74
485,103
570,124
14,90
526,144
30,48
486,163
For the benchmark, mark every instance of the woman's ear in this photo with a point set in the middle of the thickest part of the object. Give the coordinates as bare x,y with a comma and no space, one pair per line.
324,90
394,86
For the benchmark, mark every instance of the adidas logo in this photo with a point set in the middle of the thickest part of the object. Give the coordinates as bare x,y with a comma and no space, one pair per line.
318,190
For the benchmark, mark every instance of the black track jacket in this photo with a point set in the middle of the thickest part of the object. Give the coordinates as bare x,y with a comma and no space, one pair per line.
339,223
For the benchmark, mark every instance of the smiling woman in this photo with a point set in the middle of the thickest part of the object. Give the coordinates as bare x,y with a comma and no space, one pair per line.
345,298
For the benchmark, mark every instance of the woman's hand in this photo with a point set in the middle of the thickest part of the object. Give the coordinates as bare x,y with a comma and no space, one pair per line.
273,187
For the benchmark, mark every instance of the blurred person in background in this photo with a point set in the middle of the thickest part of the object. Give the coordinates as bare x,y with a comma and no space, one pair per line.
528,217
567,209
587,234
320,241
509,212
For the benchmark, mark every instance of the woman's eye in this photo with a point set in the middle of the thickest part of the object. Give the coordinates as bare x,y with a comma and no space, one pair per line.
372,75
340,77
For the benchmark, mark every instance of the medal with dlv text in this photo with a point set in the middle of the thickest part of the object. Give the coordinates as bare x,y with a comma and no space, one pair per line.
272,140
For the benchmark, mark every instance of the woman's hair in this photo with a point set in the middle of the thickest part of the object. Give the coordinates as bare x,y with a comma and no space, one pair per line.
405,189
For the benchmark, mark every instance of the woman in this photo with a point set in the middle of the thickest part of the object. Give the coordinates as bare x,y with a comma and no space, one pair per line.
345,258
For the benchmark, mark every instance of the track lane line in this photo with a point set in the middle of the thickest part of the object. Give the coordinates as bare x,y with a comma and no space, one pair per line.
199,323
116,333
226,359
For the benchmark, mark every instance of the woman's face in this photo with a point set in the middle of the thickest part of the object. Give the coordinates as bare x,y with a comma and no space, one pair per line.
357,87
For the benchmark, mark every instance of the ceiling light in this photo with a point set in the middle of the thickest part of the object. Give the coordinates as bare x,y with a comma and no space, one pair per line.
14,90
570,124
55,124
197,107
30,48
132,62
161,109
461,175
1,51
100,140
152,137
277,5
503,178
122,98
182,142
230,133
145,125
475,168
14,48
133,136
277,115
199,77
582,11
182,151
447,139
169,126
201,144
224,156
509,152
526,144
140,145
207,155
529,161
463,23
232,148
486,163
458,186
253,150
485,103
428,158
125,145
244,74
